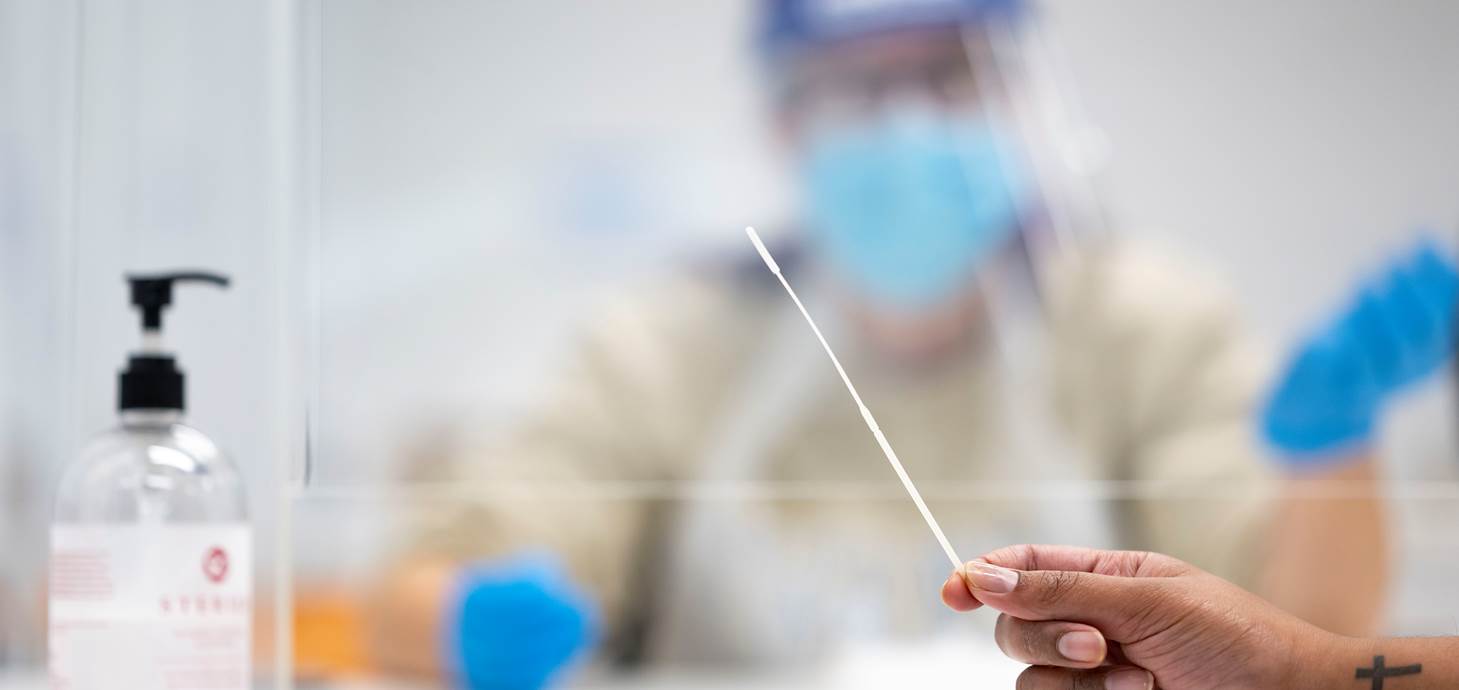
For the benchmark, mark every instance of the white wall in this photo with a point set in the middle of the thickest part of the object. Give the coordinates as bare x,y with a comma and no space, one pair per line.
1294,144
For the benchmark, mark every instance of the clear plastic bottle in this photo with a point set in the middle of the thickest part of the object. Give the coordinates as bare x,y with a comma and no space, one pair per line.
151,576
151,469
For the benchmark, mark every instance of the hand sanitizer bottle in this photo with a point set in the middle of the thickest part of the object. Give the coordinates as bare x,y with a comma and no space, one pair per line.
151,575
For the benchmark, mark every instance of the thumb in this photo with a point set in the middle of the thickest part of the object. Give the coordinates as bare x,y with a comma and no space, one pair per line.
1123,608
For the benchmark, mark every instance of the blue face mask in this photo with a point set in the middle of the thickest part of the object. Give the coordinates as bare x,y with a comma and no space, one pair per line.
908,207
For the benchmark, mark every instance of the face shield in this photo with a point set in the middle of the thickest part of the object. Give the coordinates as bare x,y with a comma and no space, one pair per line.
933,145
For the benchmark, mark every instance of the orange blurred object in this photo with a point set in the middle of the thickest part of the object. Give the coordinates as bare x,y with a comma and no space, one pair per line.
329,632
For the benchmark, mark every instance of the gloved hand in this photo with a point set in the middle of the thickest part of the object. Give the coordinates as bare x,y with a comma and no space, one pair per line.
517,624
1397,330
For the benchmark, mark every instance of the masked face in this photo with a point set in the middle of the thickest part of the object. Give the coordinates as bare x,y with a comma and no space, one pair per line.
909,204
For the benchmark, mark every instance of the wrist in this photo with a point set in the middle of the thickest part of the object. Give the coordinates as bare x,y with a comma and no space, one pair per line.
1324,453
1322,660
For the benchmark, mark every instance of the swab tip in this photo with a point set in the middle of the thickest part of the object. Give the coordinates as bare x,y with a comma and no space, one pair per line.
760,247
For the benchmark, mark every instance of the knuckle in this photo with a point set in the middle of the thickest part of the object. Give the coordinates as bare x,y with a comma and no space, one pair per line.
1036,645
1092,680
1028,555
1032,642
1049,678
1131,563
1017,556
1056,586
1164,566
1032,678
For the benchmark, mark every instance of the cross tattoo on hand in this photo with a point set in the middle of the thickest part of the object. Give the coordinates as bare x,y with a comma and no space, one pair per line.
1379,672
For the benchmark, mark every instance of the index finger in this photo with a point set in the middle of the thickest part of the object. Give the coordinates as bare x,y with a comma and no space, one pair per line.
1083,560
957,593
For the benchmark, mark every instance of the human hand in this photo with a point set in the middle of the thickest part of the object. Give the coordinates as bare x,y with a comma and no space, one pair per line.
1125,620
517,624
1398,329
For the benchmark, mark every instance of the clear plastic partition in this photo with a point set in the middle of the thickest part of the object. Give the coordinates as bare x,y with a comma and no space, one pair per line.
564,426
517,404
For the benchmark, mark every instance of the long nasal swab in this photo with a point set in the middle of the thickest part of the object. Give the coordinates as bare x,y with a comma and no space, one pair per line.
886,448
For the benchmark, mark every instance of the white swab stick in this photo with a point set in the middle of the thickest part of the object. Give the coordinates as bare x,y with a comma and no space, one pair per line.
881,440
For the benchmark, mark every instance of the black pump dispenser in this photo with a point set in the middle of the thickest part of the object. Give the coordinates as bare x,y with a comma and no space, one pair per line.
152,380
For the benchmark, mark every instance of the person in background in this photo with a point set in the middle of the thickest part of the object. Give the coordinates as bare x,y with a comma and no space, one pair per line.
924,220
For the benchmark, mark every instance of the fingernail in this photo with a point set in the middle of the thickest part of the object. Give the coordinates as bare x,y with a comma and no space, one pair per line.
991,578
1083,646
1129,679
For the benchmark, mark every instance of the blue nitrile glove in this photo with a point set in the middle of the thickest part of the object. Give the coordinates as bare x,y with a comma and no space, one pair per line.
1397,330
516,624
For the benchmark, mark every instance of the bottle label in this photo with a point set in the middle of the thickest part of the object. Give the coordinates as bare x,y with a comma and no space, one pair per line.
155,607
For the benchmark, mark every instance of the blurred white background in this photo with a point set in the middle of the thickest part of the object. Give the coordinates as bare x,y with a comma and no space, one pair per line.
463,181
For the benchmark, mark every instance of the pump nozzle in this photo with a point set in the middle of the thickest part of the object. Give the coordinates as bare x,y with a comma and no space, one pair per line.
152,379
152,293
